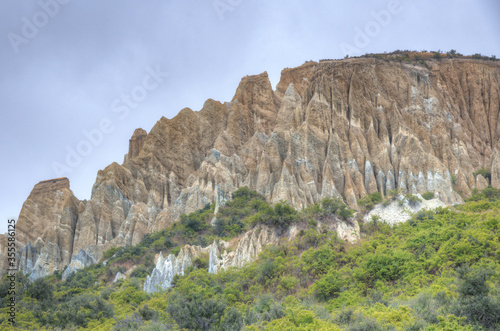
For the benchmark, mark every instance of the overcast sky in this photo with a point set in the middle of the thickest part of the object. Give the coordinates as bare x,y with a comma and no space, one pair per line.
77,77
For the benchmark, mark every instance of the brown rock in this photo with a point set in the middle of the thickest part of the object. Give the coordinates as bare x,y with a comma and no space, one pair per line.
136,143
335,128
481,183
495,169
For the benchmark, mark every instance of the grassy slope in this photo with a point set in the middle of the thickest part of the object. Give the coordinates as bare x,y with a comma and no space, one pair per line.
438,271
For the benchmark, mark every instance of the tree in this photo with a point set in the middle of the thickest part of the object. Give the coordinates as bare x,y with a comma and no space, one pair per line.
328,286
474,301
41,290
195,312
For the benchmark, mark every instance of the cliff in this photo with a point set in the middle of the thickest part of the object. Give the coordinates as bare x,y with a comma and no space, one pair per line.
335,128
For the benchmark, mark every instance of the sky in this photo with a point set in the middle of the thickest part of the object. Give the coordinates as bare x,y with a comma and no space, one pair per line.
77,77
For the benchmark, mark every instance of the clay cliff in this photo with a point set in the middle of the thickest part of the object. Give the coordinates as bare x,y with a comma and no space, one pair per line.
335,128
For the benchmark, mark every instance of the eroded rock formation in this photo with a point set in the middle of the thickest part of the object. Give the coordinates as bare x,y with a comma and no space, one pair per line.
247,248
335,128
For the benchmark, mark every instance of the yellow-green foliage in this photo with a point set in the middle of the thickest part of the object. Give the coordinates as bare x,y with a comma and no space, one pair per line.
438,271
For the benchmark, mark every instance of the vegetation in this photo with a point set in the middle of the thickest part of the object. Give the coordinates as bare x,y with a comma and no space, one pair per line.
424,55
428,195
369,201
485,173
413,200
438,271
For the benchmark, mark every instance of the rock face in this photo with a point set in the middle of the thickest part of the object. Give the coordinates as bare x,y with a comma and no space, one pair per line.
136,143
400,210
335,128
249,246
246,250
79,261
46,228
166,268
119,276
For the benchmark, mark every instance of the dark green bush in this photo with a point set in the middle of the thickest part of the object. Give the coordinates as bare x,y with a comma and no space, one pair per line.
474,301
41,289
79,310
486,173
329,286
428,195
196,312
335,206
369,201
413,200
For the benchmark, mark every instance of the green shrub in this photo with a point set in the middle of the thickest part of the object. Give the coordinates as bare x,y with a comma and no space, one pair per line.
474,301
267,309
41,289
413,200
337,207
79,310
453,179
319,261
110,252
147,314
393,194
428,195
195,312
193,223
363,323
201,262
329,286
491,194
486,173
369,201
283,215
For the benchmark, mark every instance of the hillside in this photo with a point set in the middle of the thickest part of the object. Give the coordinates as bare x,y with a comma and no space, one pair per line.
437,271
415,122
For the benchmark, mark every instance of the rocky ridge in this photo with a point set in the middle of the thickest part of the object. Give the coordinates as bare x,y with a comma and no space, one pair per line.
246,250
342,128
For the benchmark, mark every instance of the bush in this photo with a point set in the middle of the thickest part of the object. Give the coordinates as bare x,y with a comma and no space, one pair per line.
81,309
41,289
486,173
428,195
388,266
195,312
193,223
232,320
267,309
362,323
329,286
201,262
413,200
489,193
369,201
424,214
393,194
147,313
283,215
453,179
474,301
336,206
